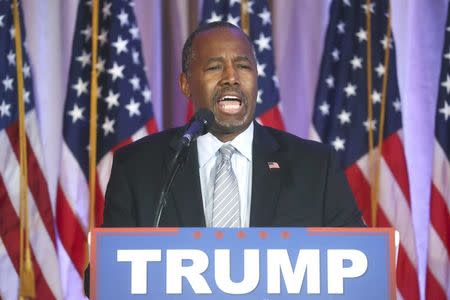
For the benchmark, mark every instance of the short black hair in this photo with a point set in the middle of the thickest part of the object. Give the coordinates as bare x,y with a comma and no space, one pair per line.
187,54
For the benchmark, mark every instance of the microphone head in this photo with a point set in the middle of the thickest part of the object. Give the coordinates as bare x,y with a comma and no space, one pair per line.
204,116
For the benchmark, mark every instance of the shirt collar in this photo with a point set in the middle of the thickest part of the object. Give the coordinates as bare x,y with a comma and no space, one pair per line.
208,145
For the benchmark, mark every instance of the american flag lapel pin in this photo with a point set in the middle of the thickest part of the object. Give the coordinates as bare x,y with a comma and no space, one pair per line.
273,165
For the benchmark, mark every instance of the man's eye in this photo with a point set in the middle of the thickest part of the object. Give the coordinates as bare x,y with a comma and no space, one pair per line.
244,66
212,68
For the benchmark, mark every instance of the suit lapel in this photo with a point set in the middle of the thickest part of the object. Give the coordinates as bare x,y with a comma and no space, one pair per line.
265,181
186,192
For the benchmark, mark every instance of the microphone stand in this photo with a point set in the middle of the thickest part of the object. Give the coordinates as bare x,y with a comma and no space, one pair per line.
175,165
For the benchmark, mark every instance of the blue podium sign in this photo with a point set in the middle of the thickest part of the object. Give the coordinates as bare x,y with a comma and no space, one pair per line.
244,263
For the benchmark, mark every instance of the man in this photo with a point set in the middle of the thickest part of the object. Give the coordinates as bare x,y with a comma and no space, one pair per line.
272,178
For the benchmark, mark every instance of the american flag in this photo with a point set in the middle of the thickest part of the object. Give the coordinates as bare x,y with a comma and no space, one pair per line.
438,269
124,114
42,234
341,118
267,108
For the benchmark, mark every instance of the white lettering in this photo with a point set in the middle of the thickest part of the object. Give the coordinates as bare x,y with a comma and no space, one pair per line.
138,259
337,272
222,272
308,261
193,273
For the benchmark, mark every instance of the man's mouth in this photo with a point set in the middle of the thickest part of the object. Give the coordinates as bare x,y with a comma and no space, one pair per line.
229,104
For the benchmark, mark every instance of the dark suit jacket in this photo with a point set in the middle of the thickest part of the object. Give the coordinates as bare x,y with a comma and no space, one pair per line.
307,190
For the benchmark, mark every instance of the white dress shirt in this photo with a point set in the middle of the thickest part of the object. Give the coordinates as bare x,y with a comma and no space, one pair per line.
241,162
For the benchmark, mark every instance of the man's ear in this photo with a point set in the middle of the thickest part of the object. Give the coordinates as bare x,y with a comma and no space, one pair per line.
184,85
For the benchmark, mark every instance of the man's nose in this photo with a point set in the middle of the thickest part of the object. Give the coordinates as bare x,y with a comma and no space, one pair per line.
230,75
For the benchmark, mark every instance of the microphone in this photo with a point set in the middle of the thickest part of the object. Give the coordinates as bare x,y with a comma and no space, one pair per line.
198,125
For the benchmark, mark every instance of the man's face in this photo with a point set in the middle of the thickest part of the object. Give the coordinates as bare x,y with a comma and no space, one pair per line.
223,78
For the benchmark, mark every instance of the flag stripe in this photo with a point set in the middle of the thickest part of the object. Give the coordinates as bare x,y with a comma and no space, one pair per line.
394,156
441,172
71,233
361,190
36,182
7,270
438,259
9,230
439,217
40,240
272,117
434,290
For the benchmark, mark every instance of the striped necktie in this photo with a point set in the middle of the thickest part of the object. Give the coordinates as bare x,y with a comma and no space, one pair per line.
226,201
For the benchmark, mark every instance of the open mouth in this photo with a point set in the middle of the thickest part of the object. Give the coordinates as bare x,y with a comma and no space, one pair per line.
229,104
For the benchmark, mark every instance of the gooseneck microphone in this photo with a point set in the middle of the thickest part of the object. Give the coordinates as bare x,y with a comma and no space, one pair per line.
199,125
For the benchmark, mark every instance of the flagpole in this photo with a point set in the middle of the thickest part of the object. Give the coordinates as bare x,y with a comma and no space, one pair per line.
93,117
27,284
372,151
245,19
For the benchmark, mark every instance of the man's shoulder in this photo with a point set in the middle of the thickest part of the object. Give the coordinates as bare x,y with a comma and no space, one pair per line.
289,142
148,145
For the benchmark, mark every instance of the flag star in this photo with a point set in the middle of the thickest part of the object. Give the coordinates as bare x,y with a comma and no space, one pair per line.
84,59
1,20
8,83
447,29
259,97
344,117
368,8
330,81
106,10
135,56
276,81
397,105
76,113
12,32
338,144
116,71
233,2
263,42
446,84
123,18
11,58
214,18
134,31
103,37
4,109
132,4
335,53
260,68
120,45
384,42
361,35
250,7
135,82
265,16
112,99
87,32
341,27
147,94
133,108
108,126
234,21
347,3
350,90
324,108
370,125
26,96
445,110
100,65
356,62
81,87
26,70
380,70
376,97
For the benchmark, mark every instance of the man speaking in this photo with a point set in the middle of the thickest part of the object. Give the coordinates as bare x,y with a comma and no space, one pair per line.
240,173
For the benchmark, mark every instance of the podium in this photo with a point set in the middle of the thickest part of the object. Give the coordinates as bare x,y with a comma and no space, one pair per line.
242,263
